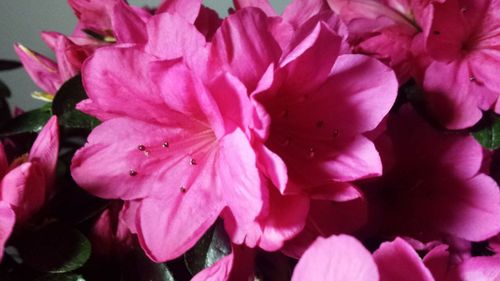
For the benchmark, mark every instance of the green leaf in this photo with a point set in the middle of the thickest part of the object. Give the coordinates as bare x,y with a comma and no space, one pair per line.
4,90
61,277
212,246
137,267
54,248
9,64
489,136
65,101
29,122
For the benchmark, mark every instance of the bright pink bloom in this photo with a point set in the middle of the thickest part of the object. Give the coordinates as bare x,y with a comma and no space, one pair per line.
431,174
393,31
463,78
344,258
326,218
110,236
176,151
446,267
336,258
317,115
26,183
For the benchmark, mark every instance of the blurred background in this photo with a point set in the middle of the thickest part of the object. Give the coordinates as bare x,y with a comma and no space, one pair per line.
22,21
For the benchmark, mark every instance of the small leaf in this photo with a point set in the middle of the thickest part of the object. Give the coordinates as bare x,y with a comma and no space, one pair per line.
137,267
61,277
54,248
99,37
43,96
9,64
4,90
213,246
28,122
489,136
65,101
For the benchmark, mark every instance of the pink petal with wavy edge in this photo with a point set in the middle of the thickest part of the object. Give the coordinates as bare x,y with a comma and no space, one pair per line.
309,58
45,150
397,260
244,47
457,100
299,11
264,5
128,25
480,268
188,9
43,71
171,36
24,189
7,221
106,77
336,258
139,157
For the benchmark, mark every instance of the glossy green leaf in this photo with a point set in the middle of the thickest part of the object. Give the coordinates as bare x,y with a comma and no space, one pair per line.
138,267
29,122
489,136
213,246
55,248
61,277
65,101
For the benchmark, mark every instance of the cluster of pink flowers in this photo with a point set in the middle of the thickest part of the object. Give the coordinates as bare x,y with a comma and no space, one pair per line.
281,126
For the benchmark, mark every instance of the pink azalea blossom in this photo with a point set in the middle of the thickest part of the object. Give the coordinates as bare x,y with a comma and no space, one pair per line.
344,258
444,266
432,187
462,80
175,146
393,31
110,235
27,182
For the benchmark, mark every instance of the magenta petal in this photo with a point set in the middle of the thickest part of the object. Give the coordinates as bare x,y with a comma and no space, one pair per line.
244,47
172,36
128,26
480,268
236,164
110,70
239,265
336,258
310,57
45,150
299,11
42,70
456,100
188,9
219,271
167,228
7,221
397,260
24,188
132,162
264,5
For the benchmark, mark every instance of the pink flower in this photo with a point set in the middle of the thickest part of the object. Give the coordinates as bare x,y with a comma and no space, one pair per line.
432,187
344,258
317,115
26,183
446,267
170,145
110,236
463,78
393,31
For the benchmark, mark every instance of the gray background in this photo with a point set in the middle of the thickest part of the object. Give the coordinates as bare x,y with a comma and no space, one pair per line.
22,21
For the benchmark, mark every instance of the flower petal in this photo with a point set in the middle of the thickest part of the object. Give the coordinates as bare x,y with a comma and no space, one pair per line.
397,260
45,150
7,221
336,258
188,9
